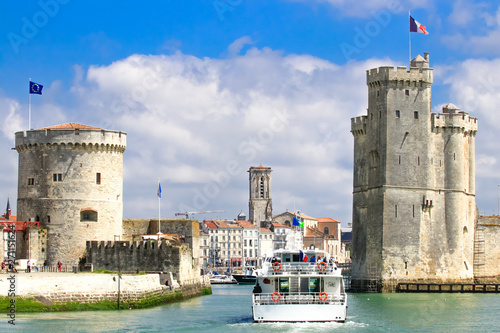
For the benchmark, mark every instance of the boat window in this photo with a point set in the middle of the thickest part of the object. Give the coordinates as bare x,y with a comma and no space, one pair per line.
296,258
284,285
314,285
304,284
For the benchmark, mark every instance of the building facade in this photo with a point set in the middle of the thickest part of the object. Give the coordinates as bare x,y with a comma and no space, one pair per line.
71,182
413,189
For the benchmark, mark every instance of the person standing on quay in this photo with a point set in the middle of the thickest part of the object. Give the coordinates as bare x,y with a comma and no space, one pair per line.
59,265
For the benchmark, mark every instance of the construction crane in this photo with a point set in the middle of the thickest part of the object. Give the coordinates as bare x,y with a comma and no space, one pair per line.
186,214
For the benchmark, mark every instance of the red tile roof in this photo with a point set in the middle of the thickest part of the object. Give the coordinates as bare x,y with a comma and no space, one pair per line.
70,126
327,219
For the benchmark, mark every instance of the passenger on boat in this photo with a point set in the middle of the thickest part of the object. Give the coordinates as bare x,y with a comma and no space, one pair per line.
313,259
257,289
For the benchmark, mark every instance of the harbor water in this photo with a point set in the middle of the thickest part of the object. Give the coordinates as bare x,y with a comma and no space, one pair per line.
228,309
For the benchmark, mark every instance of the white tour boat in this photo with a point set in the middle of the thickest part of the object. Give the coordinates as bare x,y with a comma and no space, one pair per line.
294,289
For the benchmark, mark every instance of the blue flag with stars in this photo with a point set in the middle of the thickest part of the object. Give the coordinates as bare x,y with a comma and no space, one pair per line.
35,88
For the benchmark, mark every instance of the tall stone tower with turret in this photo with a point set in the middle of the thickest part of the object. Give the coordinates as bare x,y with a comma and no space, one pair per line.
413,192
260,205
71,182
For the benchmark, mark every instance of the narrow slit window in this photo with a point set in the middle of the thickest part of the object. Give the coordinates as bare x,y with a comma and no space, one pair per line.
98,178
398,114
415,114
396,210
407,93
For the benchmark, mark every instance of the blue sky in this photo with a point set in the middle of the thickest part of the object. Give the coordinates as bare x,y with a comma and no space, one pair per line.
203,86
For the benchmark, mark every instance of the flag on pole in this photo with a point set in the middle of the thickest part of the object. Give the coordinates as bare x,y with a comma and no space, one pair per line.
415,26
35,88
159,190
296,221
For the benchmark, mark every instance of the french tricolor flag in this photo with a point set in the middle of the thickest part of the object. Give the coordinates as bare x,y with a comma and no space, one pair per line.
415,26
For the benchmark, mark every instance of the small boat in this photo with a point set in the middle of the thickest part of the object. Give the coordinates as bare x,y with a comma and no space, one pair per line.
216,278
294,289
249,276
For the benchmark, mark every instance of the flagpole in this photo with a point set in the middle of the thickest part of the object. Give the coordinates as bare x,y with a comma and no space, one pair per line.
409,41
29,107
159,201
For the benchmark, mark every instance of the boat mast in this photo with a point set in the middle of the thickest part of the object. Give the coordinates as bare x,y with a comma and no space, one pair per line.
258,242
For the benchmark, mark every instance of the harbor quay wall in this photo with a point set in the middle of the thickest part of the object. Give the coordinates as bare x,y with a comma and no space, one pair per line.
143,256
86,288
490,227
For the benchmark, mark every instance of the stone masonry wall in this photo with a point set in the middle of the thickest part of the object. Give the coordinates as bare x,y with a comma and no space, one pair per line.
189,229
86,288
145,256
491,260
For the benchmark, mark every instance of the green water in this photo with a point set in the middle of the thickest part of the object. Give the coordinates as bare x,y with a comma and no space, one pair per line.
229,310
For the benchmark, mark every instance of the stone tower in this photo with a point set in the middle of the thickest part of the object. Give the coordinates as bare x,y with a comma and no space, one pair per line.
71,181
260,205
413,192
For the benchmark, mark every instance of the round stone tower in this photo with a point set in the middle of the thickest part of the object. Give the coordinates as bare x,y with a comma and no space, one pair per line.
71,182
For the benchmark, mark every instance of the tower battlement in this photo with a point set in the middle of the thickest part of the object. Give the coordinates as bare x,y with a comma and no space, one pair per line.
358,125
65,135
453,119
399,74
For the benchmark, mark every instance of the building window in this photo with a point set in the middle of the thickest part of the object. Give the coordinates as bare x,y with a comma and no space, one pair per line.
31,181
88,215
98,178
326,231
418,160
48,218
407,93
250,242
415,114
396,210
398,114
57,177
399,159
262,187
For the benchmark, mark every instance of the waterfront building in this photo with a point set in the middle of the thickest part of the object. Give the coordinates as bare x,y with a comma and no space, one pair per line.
413,190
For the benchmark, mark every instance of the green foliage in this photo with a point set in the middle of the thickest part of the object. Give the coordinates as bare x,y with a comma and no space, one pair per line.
103,271
32,305
207,291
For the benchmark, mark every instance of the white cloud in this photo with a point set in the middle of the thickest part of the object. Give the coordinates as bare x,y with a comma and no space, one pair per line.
481,32
475,88
200,123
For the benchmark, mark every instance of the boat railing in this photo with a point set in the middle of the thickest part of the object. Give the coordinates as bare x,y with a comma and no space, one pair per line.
299,298
302,268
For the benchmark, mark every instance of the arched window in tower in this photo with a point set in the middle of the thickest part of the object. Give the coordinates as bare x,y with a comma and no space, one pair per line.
261,187
88,215
326,231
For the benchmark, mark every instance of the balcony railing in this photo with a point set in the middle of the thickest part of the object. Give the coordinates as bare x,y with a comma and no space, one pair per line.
299,298
301,268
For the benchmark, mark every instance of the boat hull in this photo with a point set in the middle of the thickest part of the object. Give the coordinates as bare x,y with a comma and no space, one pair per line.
245,279
299,313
